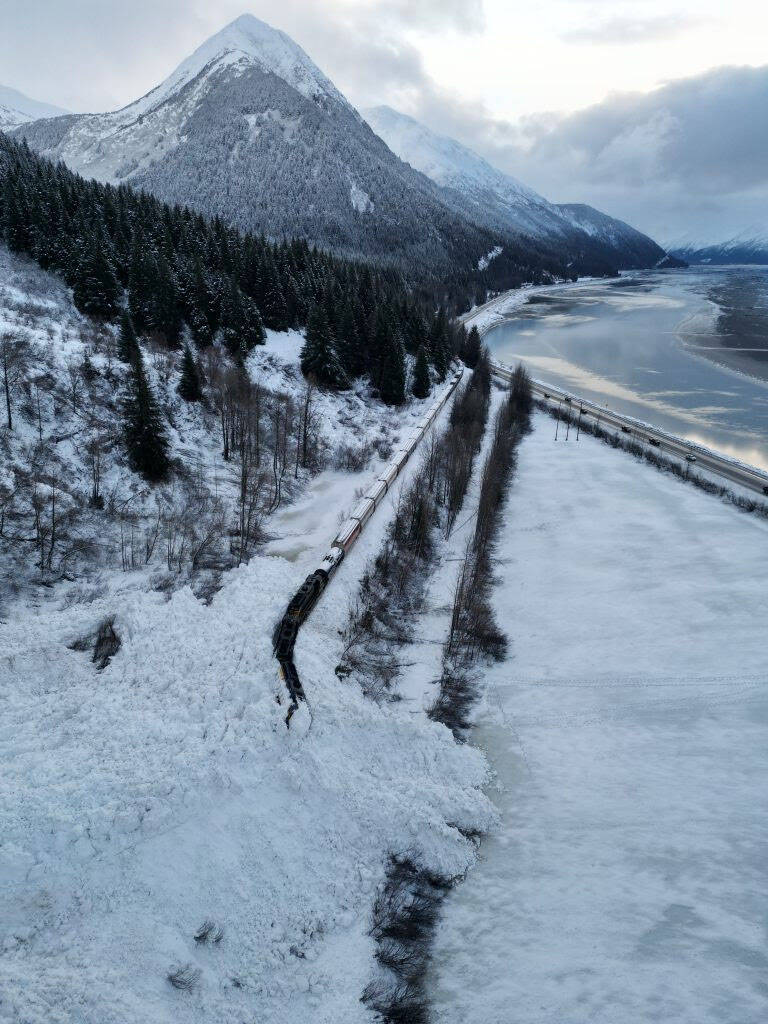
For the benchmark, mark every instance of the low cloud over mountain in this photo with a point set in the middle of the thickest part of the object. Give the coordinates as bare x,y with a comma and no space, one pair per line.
691,152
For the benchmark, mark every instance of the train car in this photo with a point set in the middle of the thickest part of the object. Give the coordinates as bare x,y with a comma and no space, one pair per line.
412,444
363,510
332,560
376,492
401,457
347,535
389,474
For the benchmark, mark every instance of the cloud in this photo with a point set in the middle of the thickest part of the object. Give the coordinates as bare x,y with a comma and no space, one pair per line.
690,157
127,48
629,31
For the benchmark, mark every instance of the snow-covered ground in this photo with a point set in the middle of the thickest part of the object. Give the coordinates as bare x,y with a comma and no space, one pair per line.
143,800
139,802
629,735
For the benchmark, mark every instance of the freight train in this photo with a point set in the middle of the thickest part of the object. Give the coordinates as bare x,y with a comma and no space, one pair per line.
309,593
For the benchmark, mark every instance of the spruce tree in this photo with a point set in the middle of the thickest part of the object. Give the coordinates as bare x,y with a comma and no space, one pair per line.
421,384
127,345
392,386
189,385
319,361
96,291
252,326
438,344
470,349
164,307
232,319
350,347
145,436
140,284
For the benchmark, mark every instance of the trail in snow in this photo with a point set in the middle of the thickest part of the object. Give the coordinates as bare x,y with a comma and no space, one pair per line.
628,732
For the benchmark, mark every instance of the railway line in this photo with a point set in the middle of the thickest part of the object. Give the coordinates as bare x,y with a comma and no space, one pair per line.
582,410
309,593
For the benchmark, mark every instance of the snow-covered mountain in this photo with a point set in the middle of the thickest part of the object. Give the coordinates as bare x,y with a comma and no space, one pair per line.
16,108
742,249
502,202
636,248
250,129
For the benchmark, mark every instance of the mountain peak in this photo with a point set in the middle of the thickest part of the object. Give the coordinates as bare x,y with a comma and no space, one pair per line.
246,42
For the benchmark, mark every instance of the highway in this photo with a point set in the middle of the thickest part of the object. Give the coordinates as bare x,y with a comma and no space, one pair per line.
748,477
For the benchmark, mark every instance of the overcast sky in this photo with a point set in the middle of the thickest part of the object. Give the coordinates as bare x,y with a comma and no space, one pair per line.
563,93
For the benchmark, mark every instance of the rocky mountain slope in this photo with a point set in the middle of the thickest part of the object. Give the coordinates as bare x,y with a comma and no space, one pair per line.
632,247
248,128
586,237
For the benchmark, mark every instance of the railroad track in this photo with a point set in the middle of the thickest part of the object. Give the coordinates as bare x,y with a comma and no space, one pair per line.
309,593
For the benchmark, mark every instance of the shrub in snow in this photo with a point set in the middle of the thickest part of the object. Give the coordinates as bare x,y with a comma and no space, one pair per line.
209,933
404,917
184,977
107,644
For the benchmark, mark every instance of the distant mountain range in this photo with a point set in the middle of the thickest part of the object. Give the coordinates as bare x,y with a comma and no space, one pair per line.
737,250
16,109
250,129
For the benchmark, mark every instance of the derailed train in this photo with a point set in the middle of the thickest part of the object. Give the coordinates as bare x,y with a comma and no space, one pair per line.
309,593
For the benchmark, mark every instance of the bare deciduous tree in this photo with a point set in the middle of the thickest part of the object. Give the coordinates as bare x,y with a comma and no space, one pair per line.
14,364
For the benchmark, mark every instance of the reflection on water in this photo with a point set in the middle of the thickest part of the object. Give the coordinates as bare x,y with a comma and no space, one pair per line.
685,350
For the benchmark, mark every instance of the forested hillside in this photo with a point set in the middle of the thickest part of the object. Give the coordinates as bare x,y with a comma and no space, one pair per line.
250,130
155,416
181,275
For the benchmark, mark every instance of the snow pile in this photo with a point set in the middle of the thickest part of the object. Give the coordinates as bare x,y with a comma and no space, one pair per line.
165,791
169,850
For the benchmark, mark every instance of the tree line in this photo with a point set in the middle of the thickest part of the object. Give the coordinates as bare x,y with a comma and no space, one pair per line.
183,277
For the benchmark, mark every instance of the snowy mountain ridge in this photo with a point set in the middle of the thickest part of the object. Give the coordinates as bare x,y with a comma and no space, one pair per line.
743,248
17,109
115,145
248,129
501,201
443,159
245,42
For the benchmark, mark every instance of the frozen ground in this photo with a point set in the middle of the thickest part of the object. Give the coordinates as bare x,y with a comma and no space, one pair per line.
628,883
141,801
